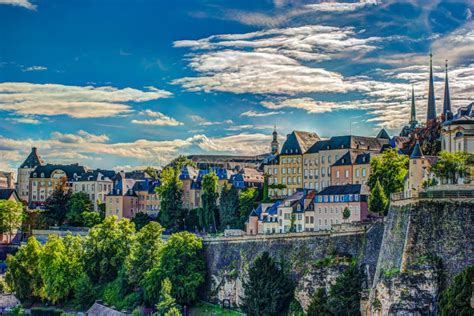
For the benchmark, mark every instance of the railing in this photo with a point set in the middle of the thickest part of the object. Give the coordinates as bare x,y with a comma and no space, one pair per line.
432,194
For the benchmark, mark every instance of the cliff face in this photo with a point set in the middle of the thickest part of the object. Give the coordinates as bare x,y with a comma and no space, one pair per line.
313,261
407,261
423,248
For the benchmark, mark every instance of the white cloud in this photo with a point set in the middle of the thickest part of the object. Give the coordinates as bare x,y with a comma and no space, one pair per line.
252,113
81,146
160,119
340,6
26,120
204,122
24,98
35,68
19,3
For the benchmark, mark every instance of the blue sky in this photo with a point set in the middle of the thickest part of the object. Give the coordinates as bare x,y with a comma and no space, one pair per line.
134,83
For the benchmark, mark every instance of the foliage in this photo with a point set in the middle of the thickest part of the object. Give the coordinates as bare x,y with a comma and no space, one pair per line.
22,275
11,216
90,219
318,306
430,183
344,295
118,293
228,206
378,201
140,220
295,308
205,309
57,203
247,202
209,195
152,172
85,293
268,290
60,265
389,170
292,223
183,264
144,253
101,209
346,213
390,273
78,203
17,311
46,311
170,192
4,288
173,311
456,299
107,247
166,302
450,166
33,219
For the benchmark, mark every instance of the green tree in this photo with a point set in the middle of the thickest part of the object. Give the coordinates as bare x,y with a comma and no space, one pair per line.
344,295
390,170
23,275
451,166
106,248
85,292
145,252
268,290
60,266
456,299
228,206
11,216
78,203
152,172
346,213
209,195
171,195
318,304
101,209
57,203
166,302
90,219
140,220
182,262
247,202
378,201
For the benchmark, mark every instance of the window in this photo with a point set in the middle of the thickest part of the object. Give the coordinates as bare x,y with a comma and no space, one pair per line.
357,172
337,173
363,172
329,159
347,173
322,159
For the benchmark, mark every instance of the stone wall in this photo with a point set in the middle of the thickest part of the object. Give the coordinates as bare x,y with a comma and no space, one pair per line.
424,247
229,259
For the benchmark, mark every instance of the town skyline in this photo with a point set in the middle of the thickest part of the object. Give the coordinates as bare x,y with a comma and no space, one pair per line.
140,98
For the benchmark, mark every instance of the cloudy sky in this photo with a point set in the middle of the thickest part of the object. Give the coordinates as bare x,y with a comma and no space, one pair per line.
133,83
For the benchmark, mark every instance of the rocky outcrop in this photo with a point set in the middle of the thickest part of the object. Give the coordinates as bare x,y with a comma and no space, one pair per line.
424,246
302,254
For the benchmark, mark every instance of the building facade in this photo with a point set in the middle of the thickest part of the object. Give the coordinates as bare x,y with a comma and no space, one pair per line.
24,171
7,180
96,184
457,133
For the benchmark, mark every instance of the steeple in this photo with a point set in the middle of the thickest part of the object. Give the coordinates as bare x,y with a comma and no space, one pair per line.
416,153
413,121
447,97
431,113
275,145
33,160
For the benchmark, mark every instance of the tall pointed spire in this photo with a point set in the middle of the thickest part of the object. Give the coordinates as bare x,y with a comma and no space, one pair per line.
447,97
413,120
431,113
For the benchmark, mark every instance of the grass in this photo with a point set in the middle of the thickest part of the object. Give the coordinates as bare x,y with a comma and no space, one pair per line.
205,309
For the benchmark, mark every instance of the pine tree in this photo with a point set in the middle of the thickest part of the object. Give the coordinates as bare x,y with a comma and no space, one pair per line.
378,201
318,305
228,206
268,290
344,295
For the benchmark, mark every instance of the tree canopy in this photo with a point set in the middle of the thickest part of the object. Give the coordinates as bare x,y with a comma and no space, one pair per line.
11,216
389,170
209,211
228,207
451,166
57,203
77,204
456,299
378,201
268,290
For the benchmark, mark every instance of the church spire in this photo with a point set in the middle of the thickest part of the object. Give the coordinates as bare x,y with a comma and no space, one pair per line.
413,120
431,113
275,145
447,97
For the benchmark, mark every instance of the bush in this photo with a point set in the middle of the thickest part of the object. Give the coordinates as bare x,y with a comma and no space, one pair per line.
46,311
455,300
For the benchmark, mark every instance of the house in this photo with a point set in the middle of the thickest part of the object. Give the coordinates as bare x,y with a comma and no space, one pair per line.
351,168
330,203
100,309
44,178
96,184
9,195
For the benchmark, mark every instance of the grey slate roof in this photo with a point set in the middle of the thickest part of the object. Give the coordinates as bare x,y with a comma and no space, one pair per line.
350,142
33,160
101,310
416,153
70,170
5,194
342,189
298,142
383,134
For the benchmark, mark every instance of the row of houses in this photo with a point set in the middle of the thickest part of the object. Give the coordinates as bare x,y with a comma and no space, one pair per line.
124,194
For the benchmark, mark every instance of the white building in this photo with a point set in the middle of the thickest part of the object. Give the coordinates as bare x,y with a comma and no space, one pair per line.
457,134
96,184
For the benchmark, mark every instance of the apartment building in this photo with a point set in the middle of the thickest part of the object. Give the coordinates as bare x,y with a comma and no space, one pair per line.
96,184
351,168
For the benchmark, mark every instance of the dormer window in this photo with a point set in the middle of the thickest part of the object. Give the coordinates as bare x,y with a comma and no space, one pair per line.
34,175
42,174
